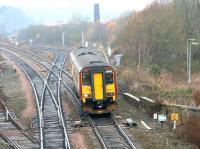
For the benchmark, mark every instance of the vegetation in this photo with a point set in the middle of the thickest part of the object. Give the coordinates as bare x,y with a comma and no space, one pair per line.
153,43
158,34
192,130
53,34
42,34
3,146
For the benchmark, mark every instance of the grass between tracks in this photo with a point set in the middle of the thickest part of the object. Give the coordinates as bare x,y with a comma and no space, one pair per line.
3,146
12,93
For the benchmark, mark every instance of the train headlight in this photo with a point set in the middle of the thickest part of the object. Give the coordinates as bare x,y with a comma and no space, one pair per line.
110,94
86,95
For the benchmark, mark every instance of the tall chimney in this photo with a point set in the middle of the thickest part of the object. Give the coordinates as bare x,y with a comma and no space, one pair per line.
96,13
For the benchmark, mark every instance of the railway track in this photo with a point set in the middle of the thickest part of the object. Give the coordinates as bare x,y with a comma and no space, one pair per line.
51,121
12,132
109,136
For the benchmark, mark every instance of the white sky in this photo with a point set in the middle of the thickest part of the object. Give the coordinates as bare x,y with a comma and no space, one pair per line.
109,4
108,8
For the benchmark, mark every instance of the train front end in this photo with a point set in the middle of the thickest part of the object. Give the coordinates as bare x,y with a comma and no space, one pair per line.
98,90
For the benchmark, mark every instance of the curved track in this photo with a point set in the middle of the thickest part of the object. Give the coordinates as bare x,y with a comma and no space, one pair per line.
51,122
111,136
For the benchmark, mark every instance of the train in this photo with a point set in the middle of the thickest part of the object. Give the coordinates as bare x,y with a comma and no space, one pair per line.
94,80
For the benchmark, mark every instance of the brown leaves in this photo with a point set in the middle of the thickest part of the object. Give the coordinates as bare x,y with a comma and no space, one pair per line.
196,96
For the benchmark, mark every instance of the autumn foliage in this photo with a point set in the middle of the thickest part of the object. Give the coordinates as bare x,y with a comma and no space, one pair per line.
196,96
192,130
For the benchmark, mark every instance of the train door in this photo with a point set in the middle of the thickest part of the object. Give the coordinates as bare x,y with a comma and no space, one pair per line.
98,86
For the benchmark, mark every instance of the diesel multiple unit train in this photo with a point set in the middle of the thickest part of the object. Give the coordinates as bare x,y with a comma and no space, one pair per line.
95,81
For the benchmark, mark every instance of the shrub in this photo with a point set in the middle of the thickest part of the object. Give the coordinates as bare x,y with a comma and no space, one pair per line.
192,130
155,69
196,96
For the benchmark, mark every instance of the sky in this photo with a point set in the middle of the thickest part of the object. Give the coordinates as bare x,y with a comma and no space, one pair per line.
43,10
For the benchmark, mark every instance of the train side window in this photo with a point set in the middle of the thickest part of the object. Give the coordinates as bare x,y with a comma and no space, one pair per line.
109,77
86,78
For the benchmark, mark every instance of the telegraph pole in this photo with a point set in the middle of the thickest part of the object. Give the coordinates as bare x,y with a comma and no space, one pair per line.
82,39
63,39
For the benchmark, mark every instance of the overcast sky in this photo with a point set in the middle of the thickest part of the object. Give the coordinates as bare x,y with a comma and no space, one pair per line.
64,9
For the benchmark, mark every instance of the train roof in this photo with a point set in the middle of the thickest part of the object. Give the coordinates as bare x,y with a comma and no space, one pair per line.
84,57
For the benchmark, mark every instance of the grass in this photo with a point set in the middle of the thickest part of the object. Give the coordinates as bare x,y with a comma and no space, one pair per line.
177,92
159,140
12,91
150,139
166,86
3,146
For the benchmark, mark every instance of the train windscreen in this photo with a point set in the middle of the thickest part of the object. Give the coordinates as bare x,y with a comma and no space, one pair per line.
109,77
86,78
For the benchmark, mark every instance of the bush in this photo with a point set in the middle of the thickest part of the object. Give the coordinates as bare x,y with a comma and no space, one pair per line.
155,69
196,96
192,130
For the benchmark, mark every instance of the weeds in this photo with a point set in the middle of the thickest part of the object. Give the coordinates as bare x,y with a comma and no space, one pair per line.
196,96
177,92
192,130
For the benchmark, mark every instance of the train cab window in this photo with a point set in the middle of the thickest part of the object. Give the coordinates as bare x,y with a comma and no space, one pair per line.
86,78
109,77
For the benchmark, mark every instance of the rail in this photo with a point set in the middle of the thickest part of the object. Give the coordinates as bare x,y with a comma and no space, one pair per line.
8,115
67,144
10,142
37,101
91,122
123,133
46,86
36,56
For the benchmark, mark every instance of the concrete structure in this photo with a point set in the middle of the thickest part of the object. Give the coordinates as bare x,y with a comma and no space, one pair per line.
96,13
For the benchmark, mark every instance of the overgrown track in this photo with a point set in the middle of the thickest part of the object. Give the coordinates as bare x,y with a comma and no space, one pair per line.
51,121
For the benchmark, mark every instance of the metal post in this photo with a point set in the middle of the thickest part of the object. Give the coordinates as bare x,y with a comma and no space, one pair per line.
190,59
174,127
139,58
187,58
7,113
189,80
63,39
82,39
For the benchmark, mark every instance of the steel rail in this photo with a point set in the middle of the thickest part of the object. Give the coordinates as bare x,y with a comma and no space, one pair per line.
59,111
97,133
36,56
123,133
10,142
9,115
36,96
41,115
95,129
59,103
58,106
